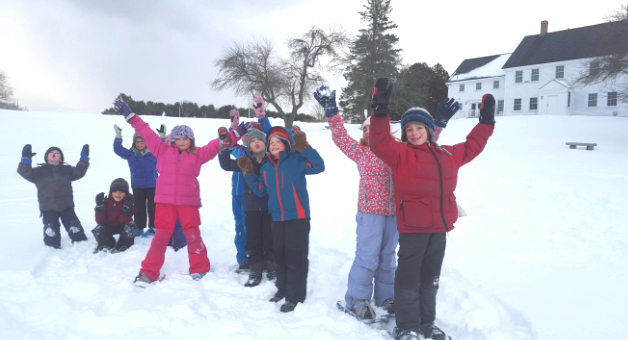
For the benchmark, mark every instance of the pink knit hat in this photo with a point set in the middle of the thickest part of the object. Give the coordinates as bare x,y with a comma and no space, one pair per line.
366,122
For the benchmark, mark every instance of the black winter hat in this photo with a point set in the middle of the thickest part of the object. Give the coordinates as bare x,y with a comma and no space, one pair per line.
119,184
51,149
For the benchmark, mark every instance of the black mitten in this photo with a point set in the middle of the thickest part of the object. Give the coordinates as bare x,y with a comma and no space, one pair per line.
27,151
127,207
381,96
100,202
487,110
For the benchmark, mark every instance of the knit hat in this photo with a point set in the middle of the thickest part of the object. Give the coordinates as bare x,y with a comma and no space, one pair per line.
136,137
181,131
418,115
119,184
254,132
295,128
366,122
53,148
281,133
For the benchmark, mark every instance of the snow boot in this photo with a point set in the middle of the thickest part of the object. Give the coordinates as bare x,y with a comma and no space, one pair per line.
288,307
138,232
102,248
430,331
243,267
277,297
150,232
408,334
271,272
389,305
363,310
197,276
255,274
142,281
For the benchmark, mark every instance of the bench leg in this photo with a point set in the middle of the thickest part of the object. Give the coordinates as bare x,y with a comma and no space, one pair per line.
590,147
572,146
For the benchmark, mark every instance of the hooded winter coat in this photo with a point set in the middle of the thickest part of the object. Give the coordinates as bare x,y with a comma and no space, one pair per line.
424,177
143,165
54,183
177,183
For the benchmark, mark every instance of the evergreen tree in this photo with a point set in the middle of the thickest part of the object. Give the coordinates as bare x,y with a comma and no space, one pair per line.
372,55
418,86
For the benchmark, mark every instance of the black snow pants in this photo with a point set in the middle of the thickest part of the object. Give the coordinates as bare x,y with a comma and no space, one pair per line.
291,241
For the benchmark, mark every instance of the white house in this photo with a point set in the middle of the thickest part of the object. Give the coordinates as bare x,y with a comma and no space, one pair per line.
538,77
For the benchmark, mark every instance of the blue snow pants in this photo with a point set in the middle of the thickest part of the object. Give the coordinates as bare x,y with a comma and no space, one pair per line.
373,271
71,223
237,205
178,239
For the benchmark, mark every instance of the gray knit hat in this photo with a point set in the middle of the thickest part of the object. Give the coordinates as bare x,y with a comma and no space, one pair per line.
254,133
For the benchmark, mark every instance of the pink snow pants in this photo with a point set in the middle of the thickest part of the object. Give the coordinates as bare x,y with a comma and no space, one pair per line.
166,216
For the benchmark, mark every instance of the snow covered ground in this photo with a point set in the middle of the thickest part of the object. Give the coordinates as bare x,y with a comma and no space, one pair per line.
542,253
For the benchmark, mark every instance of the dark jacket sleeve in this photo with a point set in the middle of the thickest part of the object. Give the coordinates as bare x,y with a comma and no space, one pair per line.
80,170
26,171
226,163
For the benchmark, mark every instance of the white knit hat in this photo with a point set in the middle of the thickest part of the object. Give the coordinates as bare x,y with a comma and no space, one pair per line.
366,122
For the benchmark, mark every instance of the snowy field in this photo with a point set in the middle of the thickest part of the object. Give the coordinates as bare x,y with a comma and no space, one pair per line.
542,253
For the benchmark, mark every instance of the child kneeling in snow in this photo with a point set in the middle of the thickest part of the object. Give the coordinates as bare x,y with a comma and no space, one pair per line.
53,180
114,215
283,179
177,195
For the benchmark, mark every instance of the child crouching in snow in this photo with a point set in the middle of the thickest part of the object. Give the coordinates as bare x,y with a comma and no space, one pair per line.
114,215
177,195
424,176
53,180
283,179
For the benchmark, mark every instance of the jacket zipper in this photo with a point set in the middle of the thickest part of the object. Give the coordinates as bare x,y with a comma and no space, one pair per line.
440,179
278,190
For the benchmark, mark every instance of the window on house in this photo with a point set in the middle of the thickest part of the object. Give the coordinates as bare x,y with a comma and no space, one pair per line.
518,76
534,101
594,68
461,87
560,72
500,106
611,99
592,100
496,84
535,75
517,104
478,86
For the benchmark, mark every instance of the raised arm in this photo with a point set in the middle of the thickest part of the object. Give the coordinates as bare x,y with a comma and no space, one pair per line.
81,167
226,163
383,145
478,137
310,162
25,168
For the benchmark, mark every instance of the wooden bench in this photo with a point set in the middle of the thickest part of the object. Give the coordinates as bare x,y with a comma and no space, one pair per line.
572,145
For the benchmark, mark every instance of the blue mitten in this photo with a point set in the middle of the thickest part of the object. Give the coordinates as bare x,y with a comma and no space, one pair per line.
444,111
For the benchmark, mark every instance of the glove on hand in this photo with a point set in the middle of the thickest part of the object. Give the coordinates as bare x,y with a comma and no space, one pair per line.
85,153
127,207
327,100
300,141
242,129
27,151
123,109
225,138
118,131
444,111
381,96
100,202
259,107
235,118
487,110
245,165
162,131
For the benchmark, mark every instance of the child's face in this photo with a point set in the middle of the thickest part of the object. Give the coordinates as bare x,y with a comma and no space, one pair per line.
257,145
183,143
54,157
118,195
276,146
365,131
140,144
416,133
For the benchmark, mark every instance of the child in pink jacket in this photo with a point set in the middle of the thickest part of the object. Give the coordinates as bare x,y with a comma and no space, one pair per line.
177,196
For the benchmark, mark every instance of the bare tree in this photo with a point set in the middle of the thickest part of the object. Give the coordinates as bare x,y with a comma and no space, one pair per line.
6,91
253,69
318,113
617,15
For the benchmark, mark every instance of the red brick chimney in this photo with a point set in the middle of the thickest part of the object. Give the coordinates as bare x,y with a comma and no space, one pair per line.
544,24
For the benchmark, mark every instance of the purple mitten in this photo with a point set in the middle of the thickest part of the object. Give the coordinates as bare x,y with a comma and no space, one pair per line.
124,109
242,129
235,118
258,107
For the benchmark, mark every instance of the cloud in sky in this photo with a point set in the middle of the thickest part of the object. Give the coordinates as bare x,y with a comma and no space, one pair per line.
78,55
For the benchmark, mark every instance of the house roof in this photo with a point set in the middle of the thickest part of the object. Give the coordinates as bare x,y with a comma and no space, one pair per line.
576,43
478,68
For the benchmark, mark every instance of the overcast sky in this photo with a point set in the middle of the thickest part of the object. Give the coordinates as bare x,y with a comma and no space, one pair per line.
78,55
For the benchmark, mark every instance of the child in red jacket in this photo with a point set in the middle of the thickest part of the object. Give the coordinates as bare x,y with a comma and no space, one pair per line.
424,178
114,215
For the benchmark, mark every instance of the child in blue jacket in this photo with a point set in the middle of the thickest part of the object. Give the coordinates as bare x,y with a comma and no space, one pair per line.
283,179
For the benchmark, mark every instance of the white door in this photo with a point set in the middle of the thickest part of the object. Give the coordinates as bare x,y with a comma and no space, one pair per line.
552,105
